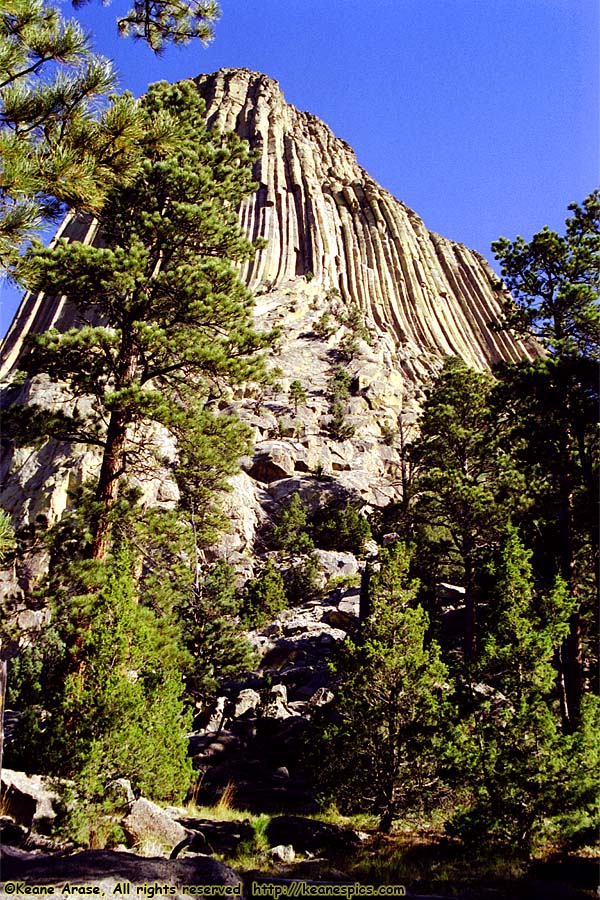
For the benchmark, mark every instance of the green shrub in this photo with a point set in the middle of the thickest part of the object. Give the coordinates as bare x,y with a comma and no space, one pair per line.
324,326
341,528
290,534
338,426
263,597
304,580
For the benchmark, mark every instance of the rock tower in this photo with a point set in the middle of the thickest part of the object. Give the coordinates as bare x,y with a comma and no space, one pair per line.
335,240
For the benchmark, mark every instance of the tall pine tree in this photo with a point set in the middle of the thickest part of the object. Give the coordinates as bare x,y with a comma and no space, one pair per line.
174,314
553,404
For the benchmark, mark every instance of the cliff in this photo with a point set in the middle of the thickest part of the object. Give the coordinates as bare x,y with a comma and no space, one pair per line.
335,241
323,215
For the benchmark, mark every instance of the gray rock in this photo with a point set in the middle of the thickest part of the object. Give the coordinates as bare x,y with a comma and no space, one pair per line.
149,823
310,835
276,706
28,799
106,868
216,716
321,697
449,593
337,618
337,562
272,461
247,699
120,793
283,853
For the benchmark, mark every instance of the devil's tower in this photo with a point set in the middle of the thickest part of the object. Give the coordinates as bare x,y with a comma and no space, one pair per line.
333,238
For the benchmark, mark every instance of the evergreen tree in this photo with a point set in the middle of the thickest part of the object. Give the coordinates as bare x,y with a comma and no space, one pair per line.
110,702
56,151
212,632
516,754
554,282
174,311
291,532
54,148
341,528
162,22
263,597
297,395
553,404
384,752
467,484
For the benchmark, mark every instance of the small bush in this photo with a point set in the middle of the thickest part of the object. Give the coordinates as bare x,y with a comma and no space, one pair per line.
339,385
263,597
304,580
290,534
338,426
324,327
341,582
341,528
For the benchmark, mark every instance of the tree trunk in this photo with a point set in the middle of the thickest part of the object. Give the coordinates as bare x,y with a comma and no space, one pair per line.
107,491
365,605
470,631
571,655
113,460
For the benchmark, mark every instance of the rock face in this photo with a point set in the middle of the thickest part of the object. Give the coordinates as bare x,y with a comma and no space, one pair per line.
321,213
336,243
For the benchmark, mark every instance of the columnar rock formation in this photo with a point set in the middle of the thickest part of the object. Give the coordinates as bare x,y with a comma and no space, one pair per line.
334,240
322,214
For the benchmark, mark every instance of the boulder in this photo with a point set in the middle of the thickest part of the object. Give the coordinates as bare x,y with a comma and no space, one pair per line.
276,706
449,593
10,832
337,562
350,603
339,619
321,697
246,700
309,835
283,853
272,461
120,793
148,823
212,836
212,720
28,800
107,868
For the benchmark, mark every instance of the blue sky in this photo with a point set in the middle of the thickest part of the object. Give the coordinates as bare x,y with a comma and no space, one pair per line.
482,115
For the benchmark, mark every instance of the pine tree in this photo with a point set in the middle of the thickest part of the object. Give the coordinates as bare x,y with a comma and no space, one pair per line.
385,753
212,632
467,483
163,22
297,395
175,314
56,149
554,281
111,692
263,596
291,532
553,404
516,755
